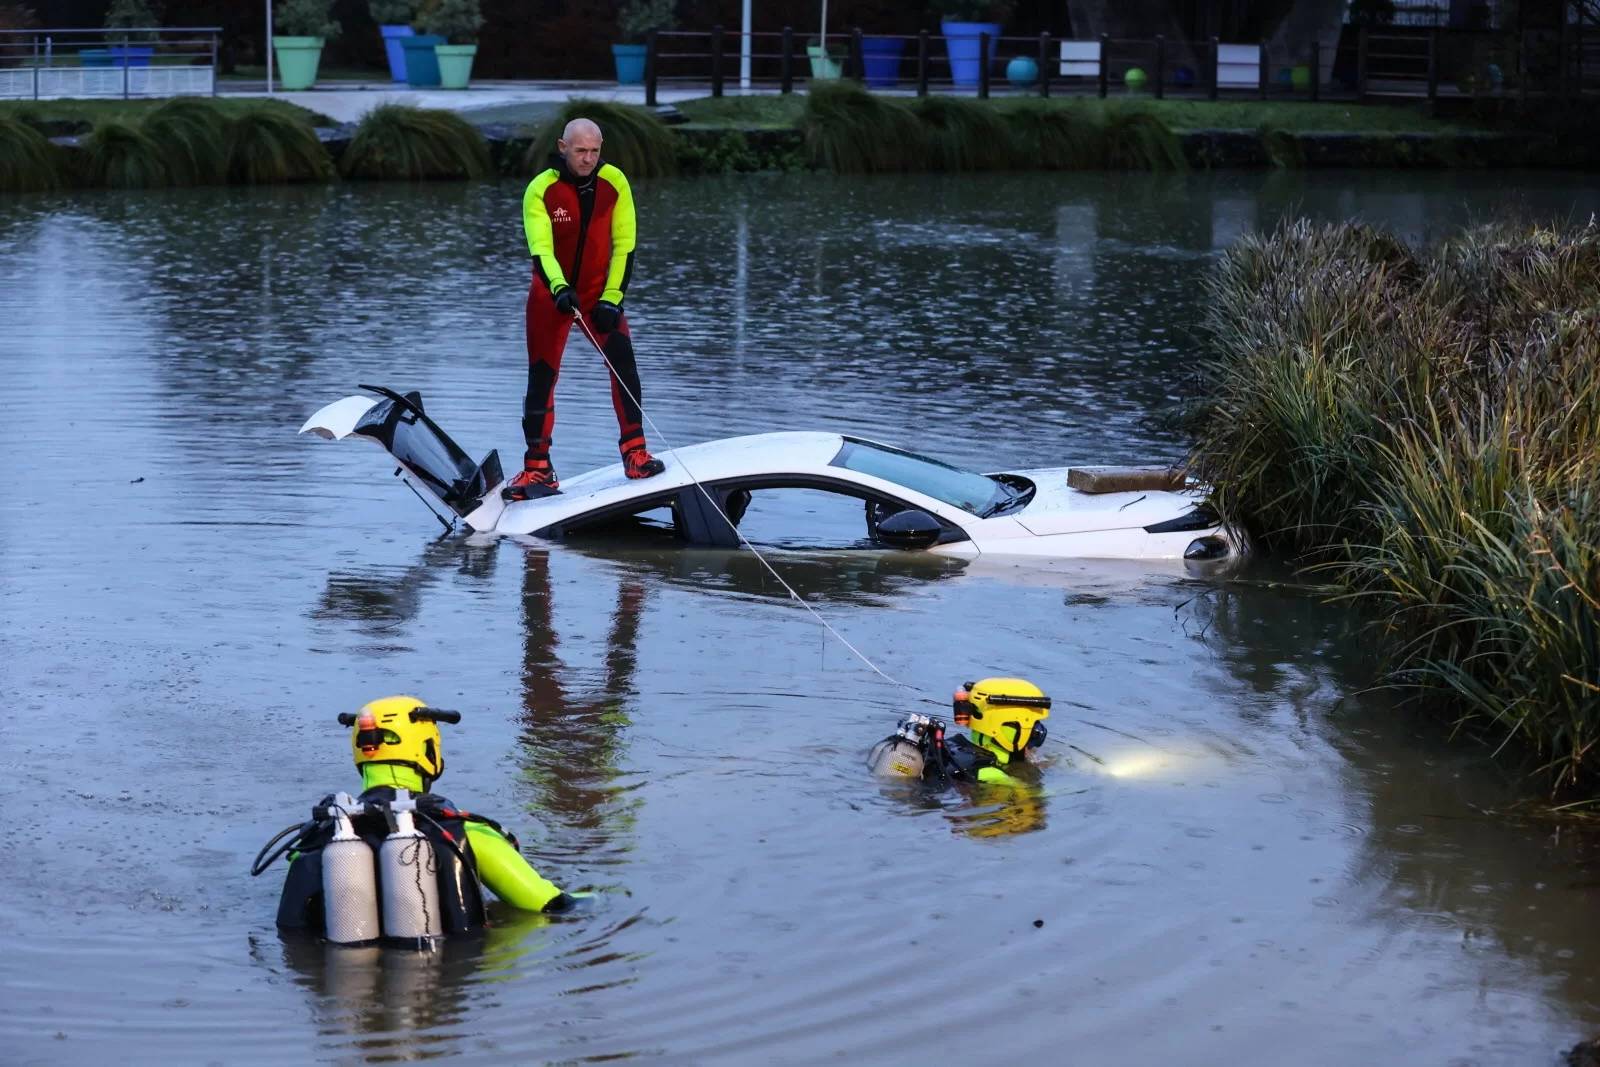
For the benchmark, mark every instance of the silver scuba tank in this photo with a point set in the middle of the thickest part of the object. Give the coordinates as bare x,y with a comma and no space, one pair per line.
349,880
896,757
408,875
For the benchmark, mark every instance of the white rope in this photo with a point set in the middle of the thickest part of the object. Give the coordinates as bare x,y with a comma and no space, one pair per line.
712,500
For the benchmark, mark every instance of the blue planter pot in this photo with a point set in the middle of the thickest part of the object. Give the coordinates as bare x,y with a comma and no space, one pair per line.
961,40
630,62
392,35
881,58
117,55
422,66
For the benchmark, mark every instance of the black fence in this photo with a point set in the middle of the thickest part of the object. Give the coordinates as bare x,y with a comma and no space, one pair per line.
1389,61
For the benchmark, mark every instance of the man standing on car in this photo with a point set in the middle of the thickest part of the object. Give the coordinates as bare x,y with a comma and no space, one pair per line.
579,219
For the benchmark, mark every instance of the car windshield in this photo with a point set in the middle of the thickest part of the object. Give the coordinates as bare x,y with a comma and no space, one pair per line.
975,493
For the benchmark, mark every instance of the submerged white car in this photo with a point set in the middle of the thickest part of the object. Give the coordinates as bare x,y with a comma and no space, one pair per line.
911,502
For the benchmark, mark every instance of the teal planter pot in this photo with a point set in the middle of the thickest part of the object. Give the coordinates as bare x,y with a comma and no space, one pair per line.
455,64
961,41
630,62
422,65
392,36
297,61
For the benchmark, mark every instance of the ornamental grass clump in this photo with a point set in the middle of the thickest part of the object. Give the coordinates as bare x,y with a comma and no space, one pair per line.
394,141
1137,140
193,137
269,148
120,155
850,131
1425,430
964,135
28,161
1057,138
632,138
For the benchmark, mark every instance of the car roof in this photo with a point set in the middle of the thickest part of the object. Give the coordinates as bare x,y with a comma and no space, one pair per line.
790,452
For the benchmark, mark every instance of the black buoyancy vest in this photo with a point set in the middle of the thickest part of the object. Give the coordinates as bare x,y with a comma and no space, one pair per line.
460,896
963,759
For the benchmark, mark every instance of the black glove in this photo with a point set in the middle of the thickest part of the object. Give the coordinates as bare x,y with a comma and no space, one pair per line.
566,299
605,316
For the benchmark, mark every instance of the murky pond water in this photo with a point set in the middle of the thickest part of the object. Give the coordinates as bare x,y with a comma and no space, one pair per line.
1238,856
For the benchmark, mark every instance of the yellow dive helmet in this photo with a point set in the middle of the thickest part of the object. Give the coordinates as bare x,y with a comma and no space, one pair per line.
1003,712
400,730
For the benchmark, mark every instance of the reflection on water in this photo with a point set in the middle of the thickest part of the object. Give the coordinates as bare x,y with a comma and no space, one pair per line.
1234,845
574,723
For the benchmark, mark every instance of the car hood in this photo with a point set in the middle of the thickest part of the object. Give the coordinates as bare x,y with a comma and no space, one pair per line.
1057,508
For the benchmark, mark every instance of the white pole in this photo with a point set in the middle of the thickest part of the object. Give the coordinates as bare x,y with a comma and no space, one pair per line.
744,48
269,47
824,34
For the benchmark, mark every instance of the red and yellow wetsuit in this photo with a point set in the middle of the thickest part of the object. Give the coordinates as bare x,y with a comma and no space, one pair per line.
581,232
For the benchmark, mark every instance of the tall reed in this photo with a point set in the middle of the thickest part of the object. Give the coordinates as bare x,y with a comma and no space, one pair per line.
1425,430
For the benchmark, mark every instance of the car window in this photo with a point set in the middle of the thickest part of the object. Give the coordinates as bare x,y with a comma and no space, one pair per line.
975,493
804,519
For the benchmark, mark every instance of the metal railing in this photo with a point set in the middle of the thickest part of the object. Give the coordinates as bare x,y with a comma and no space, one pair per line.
1430,62
1424,61
984,65
126,63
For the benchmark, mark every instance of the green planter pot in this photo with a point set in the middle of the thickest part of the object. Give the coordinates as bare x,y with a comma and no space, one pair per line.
455,64
297,61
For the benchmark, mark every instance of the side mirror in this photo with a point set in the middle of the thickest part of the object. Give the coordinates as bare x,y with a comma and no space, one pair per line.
910,530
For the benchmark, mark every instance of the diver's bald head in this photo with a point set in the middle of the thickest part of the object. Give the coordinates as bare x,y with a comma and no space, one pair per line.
580,146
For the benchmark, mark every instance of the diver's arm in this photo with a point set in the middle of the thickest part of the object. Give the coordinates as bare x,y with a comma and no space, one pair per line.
509,876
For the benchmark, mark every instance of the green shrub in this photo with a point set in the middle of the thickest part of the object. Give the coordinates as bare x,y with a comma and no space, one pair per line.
394,141
637,18
391,12
266,147
28,161
193,137
305,18
633,138
457,21
850,131
960,134
120,155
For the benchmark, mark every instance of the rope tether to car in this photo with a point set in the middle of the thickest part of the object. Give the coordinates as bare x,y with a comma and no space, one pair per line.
715,506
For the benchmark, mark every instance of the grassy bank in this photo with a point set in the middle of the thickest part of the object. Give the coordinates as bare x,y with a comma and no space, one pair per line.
195,141
89,112
1424,430
779,112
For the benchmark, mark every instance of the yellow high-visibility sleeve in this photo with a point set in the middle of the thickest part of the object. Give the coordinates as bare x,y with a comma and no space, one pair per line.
506,873
536,224
624,235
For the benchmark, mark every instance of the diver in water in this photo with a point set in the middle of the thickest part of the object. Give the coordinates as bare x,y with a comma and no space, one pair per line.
1004,717
398,862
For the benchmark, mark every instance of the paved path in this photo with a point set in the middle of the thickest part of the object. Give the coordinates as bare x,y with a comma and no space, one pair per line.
504,101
